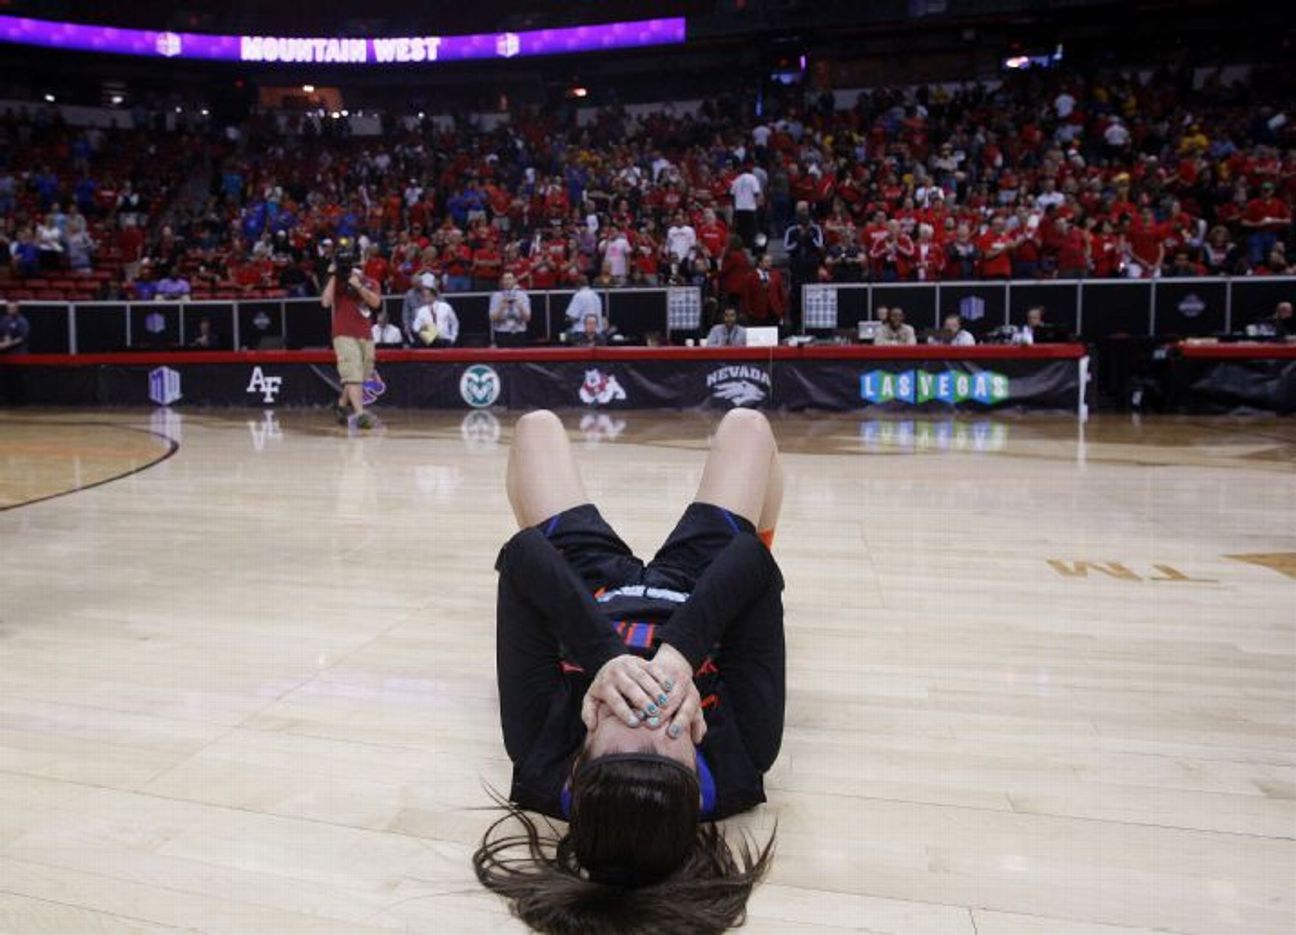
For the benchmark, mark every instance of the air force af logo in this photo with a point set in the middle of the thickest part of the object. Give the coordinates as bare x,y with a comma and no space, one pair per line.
268,387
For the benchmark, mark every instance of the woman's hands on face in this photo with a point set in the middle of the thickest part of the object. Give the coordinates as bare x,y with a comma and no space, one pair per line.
649,693
634,689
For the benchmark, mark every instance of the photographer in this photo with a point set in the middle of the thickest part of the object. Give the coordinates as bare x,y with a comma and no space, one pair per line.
510,313
804,243
352,299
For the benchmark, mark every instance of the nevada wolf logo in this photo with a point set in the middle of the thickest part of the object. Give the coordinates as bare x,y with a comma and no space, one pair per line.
600,388
739,392
739,384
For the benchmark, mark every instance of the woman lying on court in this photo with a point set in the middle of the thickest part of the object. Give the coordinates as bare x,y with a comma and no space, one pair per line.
641,703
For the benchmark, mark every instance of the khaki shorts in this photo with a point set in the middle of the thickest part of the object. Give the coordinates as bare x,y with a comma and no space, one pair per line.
355,359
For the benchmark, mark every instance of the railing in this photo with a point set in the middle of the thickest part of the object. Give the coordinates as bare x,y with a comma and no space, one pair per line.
100,327
1095,309
1092,308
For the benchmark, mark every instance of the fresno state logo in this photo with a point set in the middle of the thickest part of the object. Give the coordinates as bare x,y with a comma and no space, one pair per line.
373,388
600,388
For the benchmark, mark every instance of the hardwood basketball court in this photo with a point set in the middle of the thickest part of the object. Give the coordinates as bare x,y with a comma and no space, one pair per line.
1042,676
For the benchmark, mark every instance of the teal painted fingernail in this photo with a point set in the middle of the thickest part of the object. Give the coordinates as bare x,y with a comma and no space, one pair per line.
651,709
662,699
673,730
668,685
654,721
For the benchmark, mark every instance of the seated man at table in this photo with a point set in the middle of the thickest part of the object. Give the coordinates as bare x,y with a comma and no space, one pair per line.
1283,324
728,333
385,334
590,335
1034,319
207,338
894,330
954,333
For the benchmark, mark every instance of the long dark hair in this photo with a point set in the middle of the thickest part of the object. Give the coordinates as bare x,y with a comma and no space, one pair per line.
634,858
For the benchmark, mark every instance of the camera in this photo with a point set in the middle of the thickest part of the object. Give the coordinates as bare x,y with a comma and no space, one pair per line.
344,261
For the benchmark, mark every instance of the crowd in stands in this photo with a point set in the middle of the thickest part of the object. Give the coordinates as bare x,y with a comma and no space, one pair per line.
1047,174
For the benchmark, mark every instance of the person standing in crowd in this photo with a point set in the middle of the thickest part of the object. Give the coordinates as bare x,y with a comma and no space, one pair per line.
352,302
14,330
418,295
584,302
804,243
680,239
765,298
1267,219
510,313
728,333
745,190
894,330
436,324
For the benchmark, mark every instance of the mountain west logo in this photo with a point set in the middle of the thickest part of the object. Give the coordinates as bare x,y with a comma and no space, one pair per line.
169,44
268,387
164,386
600,388
740,384
972,308
920,386
508,44
1191,305
480,386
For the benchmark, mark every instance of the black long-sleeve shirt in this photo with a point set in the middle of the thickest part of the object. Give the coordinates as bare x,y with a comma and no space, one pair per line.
552,636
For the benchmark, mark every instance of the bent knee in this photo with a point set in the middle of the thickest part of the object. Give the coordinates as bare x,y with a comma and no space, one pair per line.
541,420
747,421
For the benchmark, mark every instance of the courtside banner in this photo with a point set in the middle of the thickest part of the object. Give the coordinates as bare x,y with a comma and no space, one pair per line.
928,384
566,379
1222,385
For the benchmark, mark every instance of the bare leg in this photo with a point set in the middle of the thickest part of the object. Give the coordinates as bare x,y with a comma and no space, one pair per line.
543,479
742,473
773,501
354,394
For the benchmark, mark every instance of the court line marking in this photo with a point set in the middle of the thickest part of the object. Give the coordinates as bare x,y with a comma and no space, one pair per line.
172,447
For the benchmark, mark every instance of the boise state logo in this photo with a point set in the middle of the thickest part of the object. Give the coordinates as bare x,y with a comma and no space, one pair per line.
480,386
373,388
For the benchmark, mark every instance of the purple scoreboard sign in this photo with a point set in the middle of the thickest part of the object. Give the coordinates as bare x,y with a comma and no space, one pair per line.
294,50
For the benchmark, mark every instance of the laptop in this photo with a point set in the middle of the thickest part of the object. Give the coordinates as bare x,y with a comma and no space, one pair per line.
762,337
